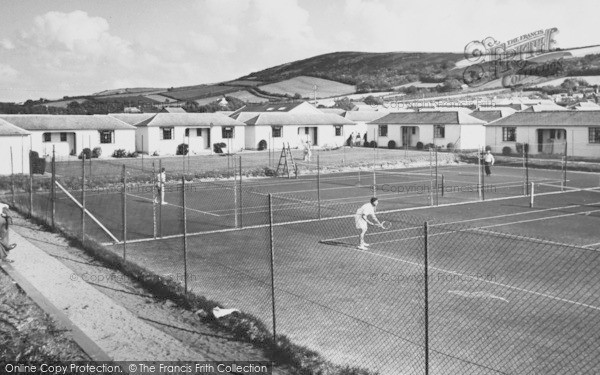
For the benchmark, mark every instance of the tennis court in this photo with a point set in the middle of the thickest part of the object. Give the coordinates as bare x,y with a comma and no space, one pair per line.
512,288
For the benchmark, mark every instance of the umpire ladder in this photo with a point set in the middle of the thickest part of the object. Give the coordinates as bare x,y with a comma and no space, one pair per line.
286,161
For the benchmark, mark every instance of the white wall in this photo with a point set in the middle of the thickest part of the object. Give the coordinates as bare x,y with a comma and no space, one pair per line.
80,139
471,137
198,144
295,136
20,154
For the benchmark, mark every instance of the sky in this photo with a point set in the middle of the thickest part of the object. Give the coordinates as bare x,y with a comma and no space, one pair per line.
51,49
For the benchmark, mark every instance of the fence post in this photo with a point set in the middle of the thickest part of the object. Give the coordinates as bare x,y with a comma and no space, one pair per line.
124,213
437,199
160,201
565,167
430,177
272,250
483,181
142,152
532,194
12,179
479,172
30,186
235,197
185,265
241,200
526,151
53,188
426,274
319,185
524,172
154,192
442,186
83,198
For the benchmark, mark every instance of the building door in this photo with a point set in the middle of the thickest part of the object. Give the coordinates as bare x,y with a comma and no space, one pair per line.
540,138
315,139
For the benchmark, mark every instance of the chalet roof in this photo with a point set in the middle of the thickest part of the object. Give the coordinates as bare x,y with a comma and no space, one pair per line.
66,122
191,119
409,118
298,119
550,118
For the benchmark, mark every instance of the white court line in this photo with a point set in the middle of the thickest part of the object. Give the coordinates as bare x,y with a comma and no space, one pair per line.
482,279
592,245
175,205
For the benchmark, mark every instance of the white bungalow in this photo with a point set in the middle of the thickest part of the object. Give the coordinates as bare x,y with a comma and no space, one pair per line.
440,128
69,134
163,133
547,132
15,149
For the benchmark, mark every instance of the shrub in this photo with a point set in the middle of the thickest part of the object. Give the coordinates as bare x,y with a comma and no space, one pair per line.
120,153
155,153
218,147
372,144
519,147
96,152
419,145
85,152
367,144
132,154
262,145
392,144
182,149
429,146
506,150
38,165
488,148
450,146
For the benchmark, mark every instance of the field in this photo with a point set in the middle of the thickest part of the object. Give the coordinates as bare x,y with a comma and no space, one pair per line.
304,86
592,80
512,288
199,92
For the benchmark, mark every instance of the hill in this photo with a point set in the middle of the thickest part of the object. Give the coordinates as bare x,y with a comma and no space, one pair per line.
304,87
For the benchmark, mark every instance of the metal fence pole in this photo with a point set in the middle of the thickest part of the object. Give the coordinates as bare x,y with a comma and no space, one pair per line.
442,186
30,185
483,182
12,179
524,172
565,167
526,150
154,192
479,173
185,265
142,152
426,284
437,199
53,188
124,213
241,200
272,250
532,194
430,177
160,200
235,196
83,198
319,185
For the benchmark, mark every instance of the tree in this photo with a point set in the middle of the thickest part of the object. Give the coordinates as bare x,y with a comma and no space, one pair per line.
344,104
371,100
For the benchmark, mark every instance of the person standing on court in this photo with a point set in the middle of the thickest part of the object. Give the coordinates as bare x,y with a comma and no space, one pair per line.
361,219
161,178
488,160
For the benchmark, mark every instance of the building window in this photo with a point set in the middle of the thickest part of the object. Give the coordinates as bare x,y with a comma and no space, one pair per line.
199,132
594,135
187,132
338,130
439,131
227,132
414,130
106,136
63,137
383,130
276,131
509,134
167,133
47,137
306,130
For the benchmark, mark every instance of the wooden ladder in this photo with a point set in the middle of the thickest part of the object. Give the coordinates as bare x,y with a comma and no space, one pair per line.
286,162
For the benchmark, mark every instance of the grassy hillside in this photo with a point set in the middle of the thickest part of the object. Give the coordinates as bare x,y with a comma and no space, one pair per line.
304,86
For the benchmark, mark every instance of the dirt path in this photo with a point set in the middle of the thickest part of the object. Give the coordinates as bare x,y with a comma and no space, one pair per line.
125,320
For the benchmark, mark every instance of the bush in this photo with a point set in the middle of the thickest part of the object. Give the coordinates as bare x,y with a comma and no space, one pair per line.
450,146
506,150
218,147
85,152
182,149
155,153
132,154
392,144
419,145
367,144
519,147
38,165
429,146
262,145
96,152
120,153
373,144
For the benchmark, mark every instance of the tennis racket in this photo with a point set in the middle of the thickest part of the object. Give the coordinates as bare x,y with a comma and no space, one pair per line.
385,225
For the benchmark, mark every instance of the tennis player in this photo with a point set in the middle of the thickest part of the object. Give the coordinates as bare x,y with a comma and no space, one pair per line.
161,178
362,221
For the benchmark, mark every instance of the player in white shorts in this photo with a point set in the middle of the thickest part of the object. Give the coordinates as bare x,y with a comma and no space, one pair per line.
362,221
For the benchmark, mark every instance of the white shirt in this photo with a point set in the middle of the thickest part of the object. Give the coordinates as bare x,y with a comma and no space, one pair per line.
162,177
366,209
489,158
